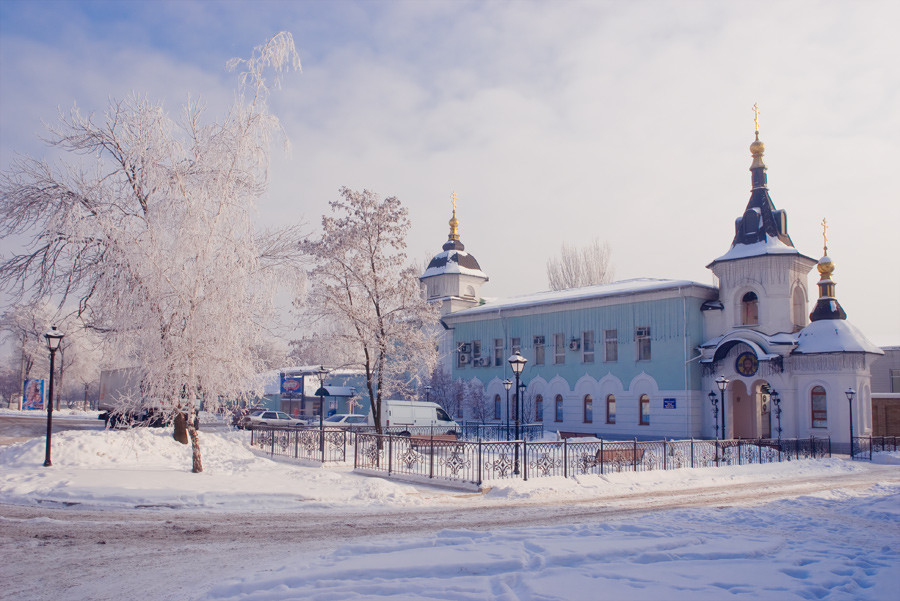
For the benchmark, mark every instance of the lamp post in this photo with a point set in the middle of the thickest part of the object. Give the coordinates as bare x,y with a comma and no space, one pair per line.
776,403
849,392
507,384
714,401
517,363
427,394
722,382
54,337
321,394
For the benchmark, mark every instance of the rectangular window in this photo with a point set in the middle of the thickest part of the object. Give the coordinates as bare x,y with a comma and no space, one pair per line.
539,408
587,345
559,349
559,408
645,410
610,409
476,351
498,352
515,345
497,410
610,345
642,338
895,380
538,350
588,409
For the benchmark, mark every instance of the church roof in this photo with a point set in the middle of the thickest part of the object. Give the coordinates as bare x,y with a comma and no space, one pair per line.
453,261
762,229
833,336
453,258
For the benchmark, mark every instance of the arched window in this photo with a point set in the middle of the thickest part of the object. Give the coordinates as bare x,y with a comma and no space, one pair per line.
645,410
611,409
559,408
539,408
497,411
588,409
819,407
750,309
799,310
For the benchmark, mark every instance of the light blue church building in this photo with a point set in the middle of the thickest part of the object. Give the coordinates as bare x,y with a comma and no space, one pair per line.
640,358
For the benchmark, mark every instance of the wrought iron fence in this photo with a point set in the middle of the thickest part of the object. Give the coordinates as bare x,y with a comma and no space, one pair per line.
329,445
480,461
865,446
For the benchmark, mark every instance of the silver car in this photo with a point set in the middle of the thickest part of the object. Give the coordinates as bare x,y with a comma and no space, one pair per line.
272,419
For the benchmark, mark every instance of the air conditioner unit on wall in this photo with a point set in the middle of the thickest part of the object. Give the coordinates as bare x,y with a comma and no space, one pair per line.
484,362
465,347
574,345
464,358
539,340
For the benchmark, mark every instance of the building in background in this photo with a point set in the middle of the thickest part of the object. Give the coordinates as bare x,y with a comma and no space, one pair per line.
640,358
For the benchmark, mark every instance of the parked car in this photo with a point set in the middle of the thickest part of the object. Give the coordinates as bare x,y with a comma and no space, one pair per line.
273,419
345,420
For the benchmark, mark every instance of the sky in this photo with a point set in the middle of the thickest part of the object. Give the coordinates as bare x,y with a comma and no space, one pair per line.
553,122
837,543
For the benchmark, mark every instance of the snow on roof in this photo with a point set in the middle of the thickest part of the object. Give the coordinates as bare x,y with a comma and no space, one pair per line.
453,261
833,336
340,390
769,246
622,288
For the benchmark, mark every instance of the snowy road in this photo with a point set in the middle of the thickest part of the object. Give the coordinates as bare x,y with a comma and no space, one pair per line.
162,554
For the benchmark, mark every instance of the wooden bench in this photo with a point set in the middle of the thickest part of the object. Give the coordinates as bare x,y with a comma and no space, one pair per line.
438,440
631,456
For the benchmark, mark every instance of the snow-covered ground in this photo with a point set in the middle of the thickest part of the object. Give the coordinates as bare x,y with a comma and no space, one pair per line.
833,530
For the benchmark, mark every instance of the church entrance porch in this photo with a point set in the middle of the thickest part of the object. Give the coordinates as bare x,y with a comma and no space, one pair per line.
751,409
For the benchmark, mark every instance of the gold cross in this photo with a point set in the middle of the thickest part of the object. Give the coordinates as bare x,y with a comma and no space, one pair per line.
756,116
825,234
453,200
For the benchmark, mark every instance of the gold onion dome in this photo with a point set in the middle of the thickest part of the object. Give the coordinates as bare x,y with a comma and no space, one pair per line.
757,147
825,266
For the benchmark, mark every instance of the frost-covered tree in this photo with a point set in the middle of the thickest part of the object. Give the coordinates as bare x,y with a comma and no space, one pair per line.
445,391
365,297
576,267
479,407
148,224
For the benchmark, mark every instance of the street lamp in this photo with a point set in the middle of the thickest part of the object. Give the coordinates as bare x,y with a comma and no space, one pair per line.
849,392
776,403
517,363
427,394
321,392
722,382
507,384
54,337
714,401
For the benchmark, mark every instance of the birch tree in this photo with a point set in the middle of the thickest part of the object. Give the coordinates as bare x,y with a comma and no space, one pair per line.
365,297
575,267
148,225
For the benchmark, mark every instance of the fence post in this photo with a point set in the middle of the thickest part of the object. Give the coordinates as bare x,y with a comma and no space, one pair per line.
566,458
602,457
479,461
524,458
355,450
634,456
431,458
692,452
296,434
272,434
665,453
390,453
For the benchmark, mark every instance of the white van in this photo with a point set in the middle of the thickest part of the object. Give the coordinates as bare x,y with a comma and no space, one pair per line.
418,414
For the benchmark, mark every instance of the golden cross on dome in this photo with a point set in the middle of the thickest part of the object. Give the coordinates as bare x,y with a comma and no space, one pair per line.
756,116
825,234
453,200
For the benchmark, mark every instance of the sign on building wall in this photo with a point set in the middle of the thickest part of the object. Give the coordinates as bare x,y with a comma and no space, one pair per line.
291,387
668,403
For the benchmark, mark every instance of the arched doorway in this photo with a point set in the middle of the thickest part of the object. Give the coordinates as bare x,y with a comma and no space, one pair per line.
751,409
